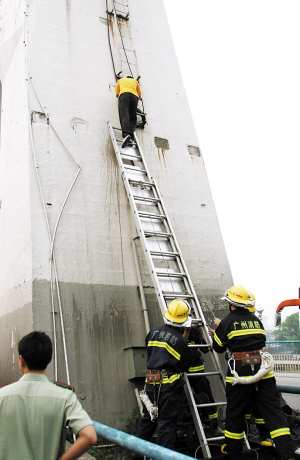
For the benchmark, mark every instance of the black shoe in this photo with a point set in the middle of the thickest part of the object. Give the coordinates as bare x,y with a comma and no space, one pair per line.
131,142
125,141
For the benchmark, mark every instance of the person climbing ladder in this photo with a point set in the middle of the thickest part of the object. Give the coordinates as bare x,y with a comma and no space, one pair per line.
128,92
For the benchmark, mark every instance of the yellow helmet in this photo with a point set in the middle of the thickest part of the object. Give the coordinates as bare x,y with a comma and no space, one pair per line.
177,312
239,297
252,309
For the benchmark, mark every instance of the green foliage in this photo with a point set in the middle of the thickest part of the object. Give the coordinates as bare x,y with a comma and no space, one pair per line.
289,330
132,421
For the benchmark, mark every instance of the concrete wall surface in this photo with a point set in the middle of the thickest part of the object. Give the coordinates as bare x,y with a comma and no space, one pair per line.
15,200
65,223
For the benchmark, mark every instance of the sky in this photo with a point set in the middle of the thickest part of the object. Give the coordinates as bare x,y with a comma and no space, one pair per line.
240,65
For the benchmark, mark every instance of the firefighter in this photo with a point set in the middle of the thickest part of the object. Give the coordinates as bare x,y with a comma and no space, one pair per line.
244,336
200,384
128,92
167,357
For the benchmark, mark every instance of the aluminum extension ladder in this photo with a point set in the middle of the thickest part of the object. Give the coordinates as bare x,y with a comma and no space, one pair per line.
169,274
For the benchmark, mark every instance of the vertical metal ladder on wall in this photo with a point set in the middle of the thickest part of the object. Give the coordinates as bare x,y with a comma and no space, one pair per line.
125,57
169,274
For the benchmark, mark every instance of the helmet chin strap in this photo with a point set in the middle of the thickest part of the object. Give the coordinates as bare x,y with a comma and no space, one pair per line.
171,323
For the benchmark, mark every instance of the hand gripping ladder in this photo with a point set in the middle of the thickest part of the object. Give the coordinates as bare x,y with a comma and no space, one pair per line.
169,274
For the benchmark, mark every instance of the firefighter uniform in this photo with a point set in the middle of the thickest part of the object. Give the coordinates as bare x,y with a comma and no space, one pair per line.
200,384
242,332
167,350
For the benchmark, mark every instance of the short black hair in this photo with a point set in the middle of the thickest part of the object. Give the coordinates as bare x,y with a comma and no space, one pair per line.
36,349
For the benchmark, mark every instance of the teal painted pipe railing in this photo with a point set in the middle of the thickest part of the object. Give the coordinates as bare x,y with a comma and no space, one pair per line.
288,389
136,445
282,341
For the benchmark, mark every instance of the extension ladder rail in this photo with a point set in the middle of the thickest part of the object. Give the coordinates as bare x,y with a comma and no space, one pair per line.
167,268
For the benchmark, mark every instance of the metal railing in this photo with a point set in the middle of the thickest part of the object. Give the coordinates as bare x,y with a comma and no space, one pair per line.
286,362
145,449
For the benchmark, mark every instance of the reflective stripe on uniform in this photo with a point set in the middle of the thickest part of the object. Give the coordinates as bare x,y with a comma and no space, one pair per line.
167,379
165,345
269,375
196,368
240,332
212,416
216,338
230,435
280,432
259,421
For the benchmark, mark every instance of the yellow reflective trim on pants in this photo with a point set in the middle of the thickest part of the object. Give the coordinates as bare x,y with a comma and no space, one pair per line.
280,432
196,368
213,416
248,416
170,379
165,345
269,375
240,332
230,435
216,338
259,421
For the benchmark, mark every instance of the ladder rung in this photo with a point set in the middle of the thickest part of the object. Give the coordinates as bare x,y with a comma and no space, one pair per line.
119,3
135,168
176,295
123,23
147,199
136,157
199,346
159,234
130,63
150,215
164,254
196,374
216,438
171,275
212,404
140,182
126,49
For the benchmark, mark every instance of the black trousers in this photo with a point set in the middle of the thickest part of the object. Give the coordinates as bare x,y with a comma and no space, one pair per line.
265,396
259,421
127,104
168,412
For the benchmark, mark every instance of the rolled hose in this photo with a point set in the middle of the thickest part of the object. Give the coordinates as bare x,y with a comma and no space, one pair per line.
267,365
151,408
